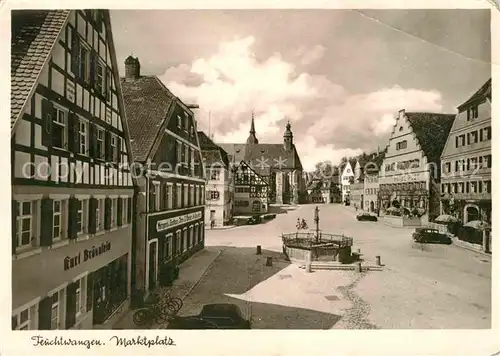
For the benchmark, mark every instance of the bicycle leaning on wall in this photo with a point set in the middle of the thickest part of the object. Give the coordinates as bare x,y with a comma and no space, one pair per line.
162,307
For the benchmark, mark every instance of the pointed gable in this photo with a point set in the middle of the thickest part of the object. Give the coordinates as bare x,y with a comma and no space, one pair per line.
147,103
34,33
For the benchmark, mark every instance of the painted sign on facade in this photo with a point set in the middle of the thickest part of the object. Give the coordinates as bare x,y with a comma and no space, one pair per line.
166,224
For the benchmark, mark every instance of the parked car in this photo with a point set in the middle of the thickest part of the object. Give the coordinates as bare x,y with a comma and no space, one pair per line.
256,219
212,316
426,235
366,217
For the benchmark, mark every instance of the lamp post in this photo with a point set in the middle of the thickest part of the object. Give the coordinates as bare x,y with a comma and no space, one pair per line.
316,220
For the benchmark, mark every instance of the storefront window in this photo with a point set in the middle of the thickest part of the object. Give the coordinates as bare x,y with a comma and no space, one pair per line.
167,247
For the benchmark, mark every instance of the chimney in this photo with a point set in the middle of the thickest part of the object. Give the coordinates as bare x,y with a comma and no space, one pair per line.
132,68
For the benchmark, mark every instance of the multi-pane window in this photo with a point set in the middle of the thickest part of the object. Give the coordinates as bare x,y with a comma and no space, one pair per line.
59,130
57,220
54,324
82,137
191,195
168,196
24,223
401,145
191,242
179,121
487,133
215,174
21,321
83,61
473,112
186,121
214,195
80,216
100,142
114,211
185,191
100,77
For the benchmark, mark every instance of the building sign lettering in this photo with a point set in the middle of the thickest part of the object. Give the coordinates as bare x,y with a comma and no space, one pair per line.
88,254
166,224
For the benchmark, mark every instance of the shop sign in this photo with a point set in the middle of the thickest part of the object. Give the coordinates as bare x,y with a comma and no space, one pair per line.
166,224
88,254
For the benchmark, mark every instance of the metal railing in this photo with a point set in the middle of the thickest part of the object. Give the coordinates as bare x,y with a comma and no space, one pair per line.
309,239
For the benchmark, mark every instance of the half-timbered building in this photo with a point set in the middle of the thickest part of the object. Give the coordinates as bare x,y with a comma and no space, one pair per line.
71,189
251,191
169,174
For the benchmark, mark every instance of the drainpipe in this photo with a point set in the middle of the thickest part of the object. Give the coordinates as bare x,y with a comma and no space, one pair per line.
146,237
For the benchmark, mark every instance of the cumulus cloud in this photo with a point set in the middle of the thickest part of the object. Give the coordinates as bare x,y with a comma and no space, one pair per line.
328,122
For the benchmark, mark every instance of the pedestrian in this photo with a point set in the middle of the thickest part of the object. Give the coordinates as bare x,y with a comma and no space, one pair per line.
212,224
298,224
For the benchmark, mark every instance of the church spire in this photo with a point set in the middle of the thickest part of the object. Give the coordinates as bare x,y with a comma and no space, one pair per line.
288,137
252,139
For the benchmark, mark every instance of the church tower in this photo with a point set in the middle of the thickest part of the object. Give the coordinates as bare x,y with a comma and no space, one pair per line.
252,139
288,137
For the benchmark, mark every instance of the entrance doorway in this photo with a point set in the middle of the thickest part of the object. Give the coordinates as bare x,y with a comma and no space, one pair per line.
372,206
472,213
153,264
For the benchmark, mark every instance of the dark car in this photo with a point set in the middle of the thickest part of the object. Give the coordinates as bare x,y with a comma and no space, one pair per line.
426,235
366,217
254,220
212,316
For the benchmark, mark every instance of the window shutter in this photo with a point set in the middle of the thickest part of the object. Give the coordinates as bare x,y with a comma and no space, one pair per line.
71,305
48,113
46,222
108,153
75,48
92,141
14,214
45,314
92,215
119,212
72,218
73,130
107,213
90,291
129,210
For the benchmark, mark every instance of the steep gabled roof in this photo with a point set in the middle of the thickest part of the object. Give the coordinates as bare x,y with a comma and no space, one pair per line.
432,131
212,154
34,33
236,151
147,104
478,96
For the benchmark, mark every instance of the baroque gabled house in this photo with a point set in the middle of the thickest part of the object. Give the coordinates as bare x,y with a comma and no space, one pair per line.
278,163
219,185
346,179
466,160
410,173
71,186
169,174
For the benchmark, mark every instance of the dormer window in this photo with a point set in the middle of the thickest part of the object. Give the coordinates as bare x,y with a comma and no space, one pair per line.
472,112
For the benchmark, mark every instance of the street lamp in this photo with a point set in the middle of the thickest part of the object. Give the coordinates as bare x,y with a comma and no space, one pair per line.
316,220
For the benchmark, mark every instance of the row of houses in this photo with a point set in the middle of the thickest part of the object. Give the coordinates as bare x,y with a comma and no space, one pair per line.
112,182
433,164
108,180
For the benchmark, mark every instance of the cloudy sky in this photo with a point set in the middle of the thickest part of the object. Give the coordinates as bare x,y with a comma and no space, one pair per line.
339,76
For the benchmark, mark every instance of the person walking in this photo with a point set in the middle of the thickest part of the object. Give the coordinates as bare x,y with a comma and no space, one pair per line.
298,224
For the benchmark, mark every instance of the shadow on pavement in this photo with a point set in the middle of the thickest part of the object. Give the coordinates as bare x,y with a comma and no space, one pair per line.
235,272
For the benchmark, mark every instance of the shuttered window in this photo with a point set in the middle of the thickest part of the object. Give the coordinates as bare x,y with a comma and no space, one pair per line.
21,321
24,222
54,319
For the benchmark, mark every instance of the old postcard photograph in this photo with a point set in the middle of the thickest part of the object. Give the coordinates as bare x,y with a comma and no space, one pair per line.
185,177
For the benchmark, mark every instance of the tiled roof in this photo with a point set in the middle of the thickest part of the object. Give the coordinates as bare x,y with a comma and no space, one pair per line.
206,142
432,131
34,33
215,157
264,156
483,92
147,102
